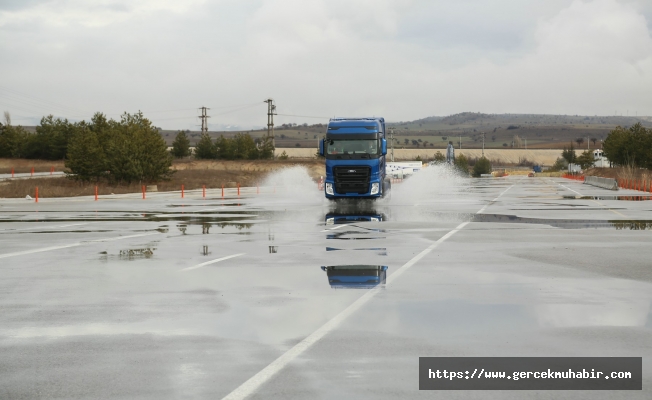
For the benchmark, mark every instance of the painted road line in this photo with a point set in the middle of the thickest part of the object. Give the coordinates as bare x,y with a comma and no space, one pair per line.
211,262
494,200
336,227
255,382
42,227
606,207
567,188
65,246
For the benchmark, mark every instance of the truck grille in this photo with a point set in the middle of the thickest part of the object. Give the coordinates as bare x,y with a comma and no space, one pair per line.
351,179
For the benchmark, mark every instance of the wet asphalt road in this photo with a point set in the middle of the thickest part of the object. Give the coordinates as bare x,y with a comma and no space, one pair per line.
171,298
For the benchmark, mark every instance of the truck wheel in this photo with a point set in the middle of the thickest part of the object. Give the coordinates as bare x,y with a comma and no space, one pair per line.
387,188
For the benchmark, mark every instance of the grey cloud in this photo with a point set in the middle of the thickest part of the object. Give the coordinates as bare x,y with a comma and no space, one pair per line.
401,61
12,5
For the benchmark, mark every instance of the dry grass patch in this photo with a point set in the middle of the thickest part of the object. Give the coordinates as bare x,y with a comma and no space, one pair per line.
628,173
25,166
191,174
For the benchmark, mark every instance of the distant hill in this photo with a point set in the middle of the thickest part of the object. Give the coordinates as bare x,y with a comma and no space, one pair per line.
531,131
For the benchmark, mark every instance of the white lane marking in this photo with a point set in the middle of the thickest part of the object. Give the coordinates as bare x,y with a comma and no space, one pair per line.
332,229
42,227
252,384
597,202
212,262
494,200
22,253
569,189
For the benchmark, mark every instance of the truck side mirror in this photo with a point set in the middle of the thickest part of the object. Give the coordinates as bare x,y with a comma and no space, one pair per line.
321,147
383,146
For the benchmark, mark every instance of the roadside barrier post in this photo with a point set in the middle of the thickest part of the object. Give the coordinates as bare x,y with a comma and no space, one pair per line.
222,190
32,171
238,189
36,195
51,170
12,172
203,191
143,192
182,192
95,193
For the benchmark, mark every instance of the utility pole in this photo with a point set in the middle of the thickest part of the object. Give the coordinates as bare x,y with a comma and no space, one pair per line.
587,142
391,138
204,120
271,112
460,142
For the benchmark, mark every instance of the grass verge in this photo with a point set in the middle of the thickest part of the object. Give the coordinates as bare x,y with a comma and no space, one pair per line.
190,174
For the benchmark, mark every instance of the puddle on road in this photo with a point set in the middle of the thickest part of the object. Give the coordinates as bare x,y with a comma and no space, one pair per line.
610,198
348,218
566,223
381,251
356,276
129,254
203,205
344,235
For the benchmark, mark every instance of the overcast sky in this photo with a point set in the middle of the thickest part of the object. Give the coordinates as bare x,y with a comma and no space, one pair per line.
399,59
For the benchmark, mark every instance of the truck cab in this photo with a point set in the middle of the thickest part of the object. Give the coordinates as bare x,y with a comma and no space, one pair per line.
355,150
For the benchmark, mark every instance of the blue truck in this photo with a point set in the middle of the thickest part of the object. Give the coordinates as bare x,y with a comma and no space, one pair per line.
355,150
356,276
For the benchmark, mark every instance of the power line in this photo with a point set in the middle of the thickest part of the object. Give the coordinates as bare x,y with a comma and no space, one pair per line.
238,105
169,119
238,109
302,116
47,103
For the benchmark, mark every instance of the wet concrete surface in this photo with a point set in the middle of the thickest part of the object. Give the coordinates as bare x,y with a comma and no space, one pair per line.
190,298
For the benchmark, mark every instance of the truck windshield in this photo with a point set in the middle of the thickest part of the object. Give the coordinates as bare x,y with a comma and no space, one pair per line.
352,147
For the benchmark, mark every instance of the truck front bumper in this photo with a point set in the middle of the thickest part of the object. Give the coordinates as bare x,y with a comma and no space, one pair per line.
373,191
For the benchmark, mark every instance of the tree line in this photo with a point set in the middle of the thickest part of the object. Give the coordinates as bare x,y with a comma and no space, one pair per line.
128,150
630,147
240,147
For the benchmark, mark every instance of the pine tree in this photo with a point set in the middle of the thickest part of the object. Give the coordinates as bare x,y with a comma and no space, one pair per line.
85,159
223,148
482,166
12,141
181,145
205,148
462,164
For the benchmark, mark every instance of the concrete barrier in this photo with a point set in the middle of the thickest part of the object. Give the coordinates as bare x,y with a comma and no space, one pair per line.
605,183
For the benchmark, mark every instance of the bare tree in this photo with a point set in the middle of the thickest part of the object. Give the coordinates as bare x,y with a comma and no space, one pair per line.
594,140
579,141
7,118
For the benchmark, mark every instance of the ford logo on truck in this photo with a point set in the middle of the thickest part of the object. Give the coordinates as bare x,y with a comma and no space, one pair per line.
351,171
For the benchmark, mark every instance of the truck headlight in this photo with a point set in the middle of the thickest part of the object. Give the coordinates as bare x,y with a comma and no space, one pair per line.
329,188
375,187
330,221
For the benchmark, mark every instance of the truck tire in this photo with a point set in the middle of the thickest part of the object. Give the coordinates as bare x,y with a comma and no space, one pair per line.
387,189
